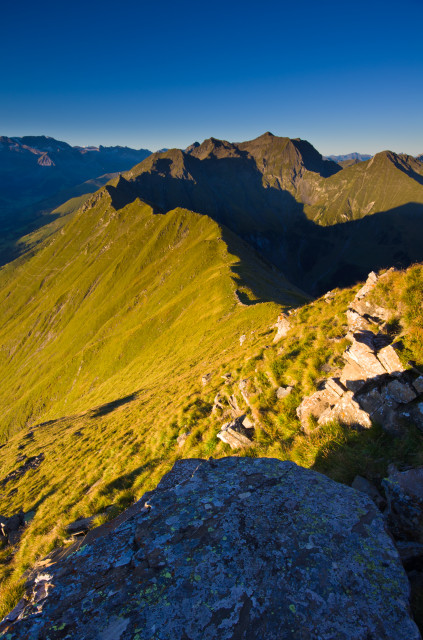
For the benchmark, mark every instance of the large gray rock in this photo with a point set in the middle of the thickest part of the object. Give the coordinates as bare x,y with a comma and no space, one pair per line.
252,549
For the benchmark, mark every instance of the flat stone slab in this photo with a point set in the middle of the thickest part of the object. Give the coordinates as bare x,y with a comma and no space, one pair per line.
237,548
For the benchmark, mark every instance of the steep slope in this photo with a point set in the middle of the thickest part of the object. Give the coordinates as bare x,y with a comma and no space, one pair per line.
111,453
106,305
304,214
384,182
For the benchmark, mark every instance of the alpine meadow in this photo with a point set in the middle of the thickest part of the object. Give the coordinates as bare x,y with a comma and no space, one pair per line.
211,336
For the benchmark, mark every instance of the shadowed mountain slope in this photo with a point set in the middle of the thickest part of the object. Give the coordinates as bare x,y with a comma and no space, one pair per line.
291,205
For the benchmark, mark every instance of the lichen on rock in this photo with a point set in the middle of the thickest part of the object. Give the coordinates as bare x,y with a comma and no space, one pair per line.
233,548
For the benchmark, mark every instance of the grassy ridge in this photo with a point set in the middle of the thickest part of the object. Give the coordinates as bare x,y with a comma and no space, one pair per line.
107,330
385,182
111,323
112,303
111,454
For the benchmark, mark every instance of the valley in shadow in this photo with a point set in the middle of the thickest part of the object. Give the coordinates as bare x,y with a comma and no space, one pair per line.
270,220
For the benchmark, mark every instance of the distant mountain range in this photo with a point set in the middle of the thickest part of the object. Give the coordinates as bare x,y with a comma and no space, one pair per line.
350,158
360,157
38,172
321,224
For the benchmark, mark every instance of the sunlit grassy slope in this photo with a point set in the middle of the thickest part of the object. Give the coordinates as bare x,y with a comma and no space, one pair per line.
111,453
107,327
118,301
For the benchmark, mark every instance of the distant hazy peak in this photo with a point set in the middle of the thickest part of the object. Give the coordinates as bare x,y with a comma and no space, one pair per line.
46,144
361,157
43,143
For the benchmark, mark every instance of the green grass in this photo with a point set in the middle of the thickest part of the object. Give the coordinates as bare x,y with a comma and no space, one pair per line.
107,331
380,184
112,303
401,292
107,328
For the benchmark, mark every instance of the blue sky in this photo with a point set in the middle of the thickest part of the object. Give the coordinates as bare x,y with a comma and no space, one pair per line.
347,76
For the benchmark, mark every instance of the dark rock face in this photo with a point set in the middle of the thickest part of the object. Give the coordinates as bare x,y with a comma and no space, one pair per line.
404,493
235,548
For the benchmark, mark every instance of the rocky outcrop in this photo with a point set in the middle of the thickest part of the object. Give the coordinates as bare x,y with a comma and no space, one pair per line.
404,495
402,507
234,548
238,434
373,386
282,325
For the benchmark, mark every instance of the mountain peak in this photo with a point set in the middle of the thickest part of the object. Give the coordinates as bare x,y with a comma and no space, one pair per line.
192,146
267,134
212,147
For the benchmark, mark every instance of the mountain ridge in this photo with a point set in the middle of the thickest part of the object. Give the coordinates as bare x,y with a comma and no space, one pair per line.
278,194
78,272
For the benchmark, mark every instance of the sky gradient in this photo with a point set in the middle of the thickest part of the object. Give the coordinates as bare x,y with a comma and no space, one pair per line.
347,76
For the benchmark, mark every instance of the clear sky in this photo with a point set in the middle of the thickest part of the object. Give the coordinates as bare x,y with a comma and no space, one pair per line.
345,75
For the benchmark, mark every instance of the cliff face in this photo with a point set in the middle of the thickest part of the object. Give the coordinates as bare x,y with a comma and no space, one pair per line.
232,548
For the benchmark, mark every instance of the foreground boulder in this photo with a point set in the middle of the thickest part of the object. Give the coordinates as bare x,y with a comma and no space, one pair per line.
235,548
